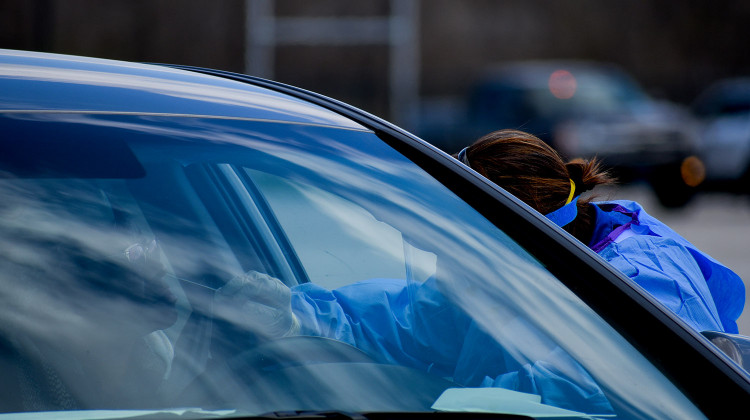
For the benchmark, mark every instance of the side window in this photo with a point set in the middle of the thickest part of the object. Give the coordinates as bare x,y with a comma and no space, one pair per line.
337,241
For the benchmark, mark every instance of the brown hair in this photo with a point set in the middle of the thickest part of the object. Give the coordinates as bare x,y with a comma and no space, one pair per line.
534,172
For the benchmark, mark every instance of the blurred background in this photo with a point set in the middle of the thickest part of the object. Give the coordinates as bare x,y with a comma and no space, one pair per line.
658,89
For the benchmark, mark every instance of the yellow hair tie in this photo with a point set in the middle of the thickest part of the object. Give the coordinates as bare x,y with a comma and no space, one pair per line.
572,191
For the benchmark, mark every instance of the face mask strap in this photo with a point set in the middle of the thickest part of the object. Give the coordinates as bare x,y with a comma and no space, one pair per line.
463,158
572,191
569,211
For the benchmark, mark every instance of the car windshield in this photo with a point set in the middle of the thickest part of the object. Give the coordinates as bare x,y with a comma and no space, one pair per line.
152,263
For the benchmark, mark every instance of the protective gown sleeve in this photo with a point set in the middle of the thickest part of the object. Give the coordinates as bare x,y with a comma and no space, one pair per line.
727,290
668,271
377,316
701,290
426,332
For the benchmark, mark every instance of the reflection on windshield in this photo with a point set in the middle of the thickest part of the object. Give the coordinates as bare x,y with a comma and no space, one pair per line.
233,276
180,92
88,291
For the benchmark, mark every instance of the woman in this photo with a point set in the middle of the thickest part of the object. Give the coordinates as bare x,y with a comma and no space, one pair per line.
423,328
700,290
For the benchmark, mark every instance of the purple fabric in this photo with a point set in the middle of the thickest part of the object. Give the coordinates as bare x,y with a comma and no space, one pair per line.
612,236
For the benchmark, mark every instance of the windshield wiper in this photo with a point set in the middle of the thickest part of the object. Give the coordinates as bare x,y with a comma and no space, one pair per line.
311,414
399,415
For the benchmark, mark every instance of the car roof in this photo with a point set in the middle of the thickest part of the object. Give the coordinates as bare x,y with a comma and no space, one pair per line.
45,82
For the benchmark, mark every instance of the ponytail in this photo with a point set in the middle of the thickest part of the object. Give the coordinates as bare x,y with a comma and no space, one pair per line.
587,174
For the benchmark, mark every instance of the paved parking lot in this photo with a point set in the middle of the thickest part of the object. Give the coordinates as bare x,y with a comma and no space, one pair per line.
717,223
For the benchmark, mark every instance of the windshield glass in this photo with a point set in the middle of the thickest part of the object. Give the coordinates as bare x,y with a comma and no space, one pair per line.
253,266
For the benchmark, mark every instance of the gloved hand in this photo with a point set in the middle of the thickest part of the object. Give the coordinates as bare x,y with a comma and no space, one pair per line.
257,303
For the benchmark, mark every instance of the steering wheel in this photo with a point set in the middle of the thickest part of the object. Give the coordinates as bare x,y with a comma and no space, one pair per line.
270,366
296,351
314,373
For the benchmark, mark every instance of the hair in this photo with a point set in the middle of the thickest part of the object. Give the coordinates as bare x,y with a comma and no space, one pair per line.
530,169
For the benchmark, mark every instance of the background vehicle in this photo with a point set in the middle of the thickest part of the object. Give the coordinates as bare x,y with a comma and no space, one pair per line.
583,109
724,112
134,196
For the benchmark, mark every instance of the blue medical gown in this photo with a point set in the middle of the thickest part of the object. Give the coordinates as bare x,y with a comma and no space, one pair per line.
428,332
700,290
